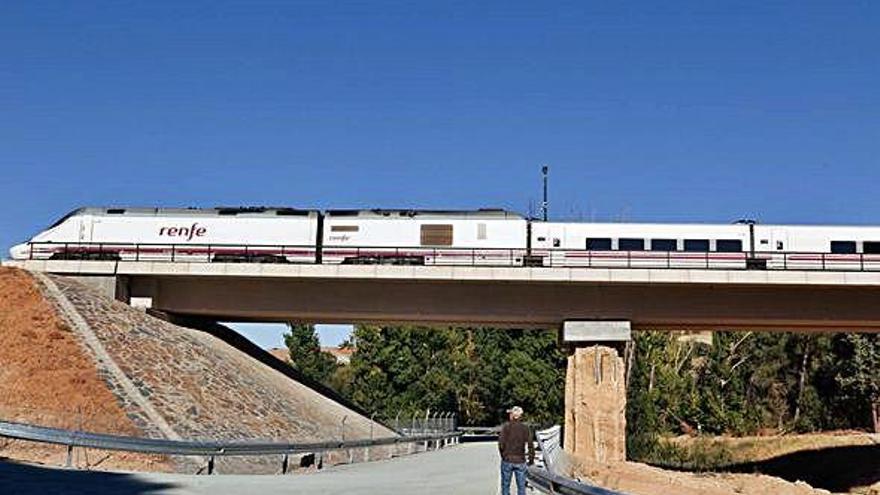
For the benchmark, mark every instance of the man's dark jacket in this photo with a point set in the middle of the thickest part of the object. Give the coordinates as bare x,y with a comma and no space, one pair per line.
515,437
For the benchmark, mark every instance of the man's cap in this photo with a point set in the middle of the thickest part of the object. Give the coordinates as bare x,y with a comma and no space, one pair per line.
516,411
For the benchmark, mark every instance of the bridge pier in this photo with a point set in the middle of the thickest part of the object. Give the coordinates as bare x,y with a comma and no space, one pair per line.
595,390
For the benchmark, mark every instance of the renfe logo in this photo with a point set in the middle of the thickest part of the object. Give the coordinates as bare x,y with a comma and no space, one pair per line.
189,232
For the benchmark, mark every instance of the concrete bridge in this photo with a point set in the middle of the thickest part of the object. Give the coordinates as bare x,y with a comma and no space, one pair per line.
589,305
662,299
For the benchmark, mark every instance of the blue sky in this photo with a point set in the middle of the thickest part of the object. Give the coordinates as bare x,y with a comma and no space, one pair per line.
705,111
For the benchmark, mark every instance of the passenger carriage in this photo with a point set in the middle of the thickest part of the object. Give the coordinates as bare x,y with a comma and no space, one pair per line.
419,237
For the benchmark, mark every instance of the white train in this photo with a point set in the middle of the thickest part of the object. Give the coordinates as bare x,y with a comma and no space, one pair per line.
422,237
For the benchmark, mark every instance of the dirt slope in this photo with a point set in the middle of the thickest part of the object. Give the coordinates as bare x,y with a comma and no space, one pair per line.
47,378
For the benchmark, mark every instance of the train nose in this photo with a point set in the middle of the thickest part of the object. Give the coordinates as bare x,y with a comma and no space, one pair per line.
19,251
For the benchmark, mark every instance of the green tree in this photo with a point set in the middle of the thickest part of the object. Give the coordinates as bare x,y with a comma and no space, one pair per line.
306,354
475,372
856,378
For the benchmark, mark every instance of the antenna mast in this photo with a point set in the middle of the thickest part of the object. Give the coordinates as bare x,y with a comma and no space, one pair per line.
544,205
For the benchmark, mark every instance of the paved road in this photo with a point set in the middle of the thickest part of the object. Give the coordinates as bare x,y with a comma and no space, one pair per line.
470,468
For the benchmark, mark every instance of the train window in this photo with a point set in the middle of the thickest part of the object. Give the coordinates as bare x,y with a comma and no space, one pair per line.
437,235
843,247
729,246
115,211
871,247
63,219
600,244
664,245
344,228
481,232
240,209
631,244
696,245
291,212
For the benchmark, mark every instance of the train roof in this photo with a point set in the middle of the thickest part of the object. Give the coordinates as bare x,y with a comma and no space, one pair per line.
377,213
488,213
216,211
737,224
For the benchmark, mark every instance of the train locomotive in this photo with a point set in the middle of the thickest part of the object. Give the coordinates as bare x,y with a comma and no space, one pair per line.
488,237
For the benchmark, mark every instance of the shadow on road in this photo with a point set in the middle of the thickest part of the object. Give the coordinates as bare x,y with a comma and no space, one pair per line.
28,479
836,469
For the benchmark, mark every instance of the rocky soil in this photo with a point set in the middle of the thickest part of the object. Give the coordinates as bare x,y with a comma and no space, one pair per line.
640,479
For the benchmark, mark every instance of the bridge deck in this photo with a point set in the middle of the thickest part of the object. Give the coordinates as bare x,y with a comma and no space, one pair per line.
522,297
457,273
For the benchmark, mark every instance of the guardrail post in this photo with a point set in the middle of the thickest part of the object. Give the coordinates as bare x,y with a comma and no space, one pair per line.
284,463
411,432
69,462
350,459
211,465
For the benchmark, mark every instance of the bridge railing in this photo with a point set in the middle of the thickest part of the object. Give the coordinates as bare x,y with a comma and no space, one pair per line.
451,256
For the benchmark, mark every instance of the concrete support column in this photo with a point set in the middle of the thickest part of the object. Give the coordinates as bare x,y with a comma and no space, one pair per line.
595,392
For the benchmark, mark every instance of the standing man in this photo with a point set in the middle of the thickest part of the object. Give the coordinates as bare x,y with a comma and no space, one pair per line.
513,441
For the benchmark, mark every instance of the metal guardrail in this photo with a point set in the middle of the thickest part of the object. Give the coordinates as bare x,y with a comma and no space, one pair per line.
452,256
548,482
553,457
209,449
556,474
480,430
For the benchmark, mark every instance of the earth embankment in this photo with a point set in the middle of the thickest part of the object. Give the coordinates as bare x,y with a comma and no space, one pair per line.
75,359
